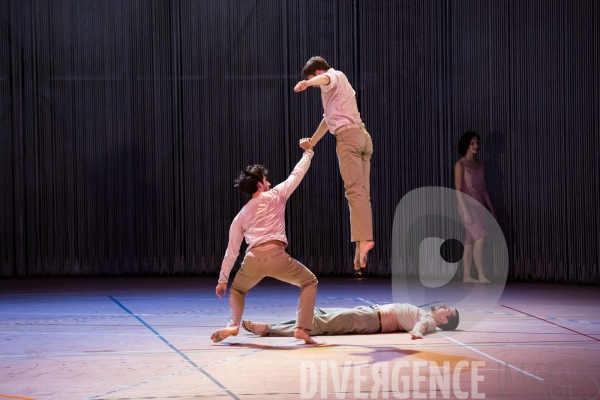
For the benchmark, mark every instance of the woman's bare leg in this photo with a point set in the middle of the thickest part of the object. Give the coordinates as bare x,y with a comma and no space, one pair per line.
478,257
467,258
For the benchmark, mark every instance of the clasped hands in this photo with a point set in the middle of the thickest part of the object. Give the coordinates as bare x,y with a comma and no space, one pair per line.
306,144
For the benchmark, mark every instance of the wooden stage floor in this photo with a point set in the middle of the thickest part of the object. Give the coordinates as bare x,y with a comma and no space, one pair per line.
148,338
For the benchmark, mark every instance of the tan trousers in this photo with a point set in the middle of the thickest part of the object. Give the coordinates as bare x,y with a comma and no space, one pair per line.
275,263
354,149
335,321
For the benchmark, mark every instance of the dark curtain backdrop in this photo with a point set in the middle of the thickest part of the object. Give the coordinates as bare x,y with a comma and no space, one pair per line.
124,123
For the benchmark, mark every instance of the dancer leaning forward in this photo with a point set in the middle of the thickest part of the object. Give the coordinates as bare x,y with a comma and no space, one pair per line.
262,223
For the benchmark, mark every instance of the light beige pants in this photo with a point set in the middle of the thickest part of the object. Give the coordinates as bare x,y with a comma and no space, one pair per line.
335,321
354,149
275,263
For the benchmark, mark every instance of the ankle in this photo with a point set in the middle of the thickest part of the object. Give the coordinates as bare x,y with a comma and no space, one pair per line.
366,245
300,332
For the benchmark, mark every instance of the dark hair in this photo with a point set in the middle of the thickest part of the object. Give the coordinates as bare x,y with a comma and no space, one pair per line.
314,64
465,142
248,179
452,322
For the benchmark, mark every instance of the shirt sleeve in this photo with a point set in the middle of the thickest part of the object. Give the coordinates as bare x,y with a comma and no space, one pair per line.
333,80
287,187
429,323
236,235
425,325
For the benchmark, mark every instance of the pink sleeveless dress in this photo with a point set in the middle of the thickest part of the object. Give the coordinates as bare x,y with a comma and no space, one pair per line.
473,185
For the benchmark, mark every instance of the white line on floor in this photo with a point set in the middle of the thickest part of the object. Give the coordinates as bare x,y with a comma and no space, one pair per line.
366,301
477,351
492,358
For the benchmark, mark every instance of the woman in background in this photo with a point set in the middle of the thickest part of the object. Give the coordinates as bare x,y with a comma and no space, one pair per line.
469,180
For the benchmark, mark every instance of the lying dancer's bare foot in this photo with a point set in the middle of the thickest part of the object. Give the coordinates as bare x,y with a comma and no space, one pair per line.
468,279
365,247
303,335
224,333
255,327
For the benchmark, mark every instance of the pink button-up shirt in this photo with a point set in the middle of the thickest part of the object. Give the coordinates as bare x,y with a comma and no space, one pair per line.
262,219
339,101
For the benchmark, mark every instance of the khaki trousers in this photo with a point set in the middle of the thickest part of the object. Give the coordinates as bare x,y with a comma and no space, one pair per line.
275,263
334,321
354,149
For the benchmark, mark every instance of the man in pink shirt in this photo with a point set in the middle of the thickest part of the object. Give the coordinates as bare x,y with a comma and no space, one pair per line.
353,147
262,223
397,317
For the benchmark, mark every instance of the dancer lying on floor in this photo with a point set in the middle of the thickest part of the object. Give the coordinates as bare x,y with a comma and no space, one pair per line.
364,320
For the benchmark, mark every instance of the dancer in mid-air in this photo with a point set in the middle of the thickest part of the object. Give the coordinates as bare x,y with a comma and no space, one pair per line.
353,147
262,223
364,320
469,179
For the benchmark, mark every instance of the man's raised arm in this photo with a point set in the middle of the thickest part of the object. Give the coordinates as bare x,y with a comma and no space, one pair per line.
287,187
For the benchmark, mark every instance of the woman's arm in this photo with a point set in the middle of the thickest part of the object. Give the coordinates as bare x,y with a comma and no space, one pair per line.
458,178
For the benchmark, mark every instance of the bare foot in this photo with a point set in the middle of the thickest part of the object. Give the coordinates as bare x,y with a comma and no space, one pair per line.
255,327
365,247
357,258
303,335
224,333
484,281
470,280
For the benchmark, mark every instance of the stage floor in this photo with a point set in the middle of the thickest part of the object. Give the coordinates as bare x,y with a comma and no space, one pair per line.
148,338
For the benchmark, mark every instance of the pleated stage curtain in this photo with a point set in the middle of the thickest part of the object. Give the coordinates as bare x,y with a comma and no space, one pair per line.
124,123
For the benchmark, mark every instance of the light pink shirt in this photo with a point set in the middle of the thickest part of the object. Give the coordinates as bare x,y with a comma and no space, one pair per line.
403,317
262,219
339,101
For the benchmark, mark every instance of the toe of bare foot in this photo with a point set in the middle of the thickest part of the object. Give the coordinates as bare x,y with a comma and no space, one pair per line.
470,280
308,340
303,335
224,333
217,336
247,325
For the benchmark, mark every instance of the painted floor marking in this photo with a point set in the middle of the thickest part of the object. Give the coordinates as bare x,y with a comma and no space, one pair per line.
546,320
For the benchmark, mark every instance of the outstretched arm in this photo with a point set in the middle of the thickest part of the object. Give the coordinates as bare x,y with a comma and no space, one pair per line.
321,130
418,330
426,324
318,80
287,187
